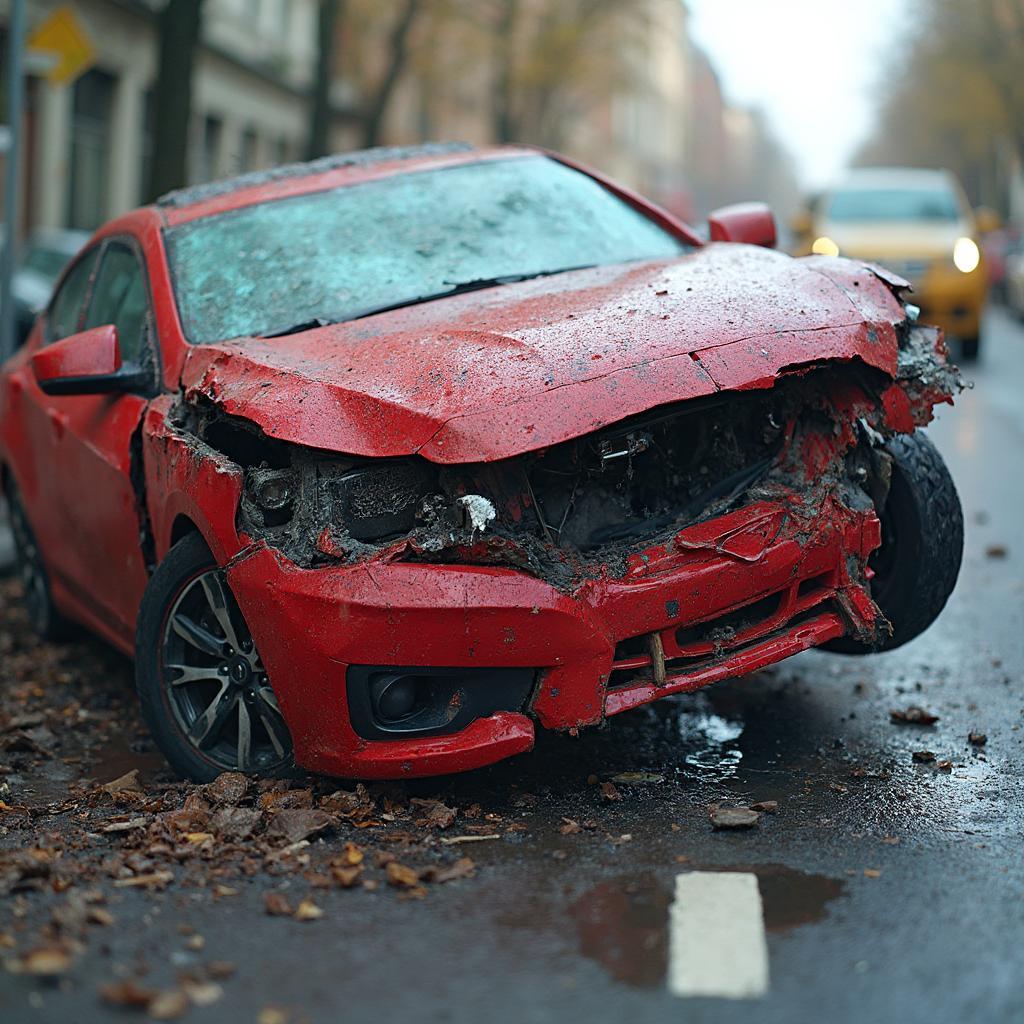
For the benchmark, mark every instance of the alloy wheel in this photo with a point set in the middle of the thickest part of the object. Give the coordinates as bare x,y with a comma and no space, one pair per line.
215,681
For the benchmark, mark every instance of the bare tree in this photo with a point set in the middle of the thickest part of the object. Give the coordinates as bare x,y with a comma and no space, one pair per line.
330,15
398,52
178,27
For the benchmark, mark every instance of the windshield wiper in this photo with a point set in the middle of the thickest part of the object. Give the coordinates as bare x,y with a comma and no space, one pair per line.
461,288
303,325
456,289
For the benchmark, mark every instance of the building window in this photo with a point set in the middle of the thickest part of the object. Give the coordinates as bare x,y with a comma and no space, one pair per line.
91,112
250,142
209,148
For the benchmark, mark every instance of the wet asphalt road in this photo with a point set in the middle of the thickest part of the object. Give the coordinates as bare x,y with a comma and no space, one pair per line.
892,890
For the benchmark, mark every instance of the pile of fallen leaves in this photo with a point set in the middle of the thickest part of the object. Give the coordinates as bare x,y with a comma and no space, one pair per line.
72,841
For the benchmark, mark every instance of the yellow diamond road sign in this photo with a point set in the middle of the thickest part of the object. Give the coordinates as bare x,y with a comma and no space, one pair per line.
62,39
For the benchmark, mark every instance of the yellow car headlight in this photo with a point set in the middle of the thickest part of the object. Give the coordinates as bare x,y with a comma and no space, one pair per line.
966,255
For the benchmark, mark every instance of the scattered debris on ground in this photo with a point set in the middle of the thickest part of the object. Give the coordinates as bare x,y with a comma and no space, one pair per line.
733,817
913,715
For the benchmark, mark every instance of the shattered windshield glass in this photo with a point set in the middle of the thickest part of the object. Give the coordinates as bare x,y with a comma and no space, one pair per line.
336,255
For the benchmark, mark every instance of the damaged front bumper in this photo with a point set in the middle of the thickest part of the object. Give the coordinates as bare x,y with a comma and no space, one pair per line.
723,598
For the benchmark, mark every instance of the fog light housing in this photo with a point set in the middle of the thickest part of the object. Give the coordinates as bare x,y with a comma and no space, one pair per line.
388,703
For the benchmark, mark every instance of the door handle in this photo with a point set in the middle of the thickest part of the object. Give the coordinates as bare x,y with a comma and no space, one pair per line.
59,420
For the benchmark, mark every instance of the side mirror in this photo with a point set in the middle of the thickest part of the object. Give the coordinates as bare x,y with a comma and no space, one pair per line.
88,363
752,223
986,219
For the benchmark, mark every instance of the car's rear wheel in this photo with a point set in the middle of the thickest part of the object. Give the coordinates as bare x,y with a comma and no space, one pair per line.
917,564
204,690
46,621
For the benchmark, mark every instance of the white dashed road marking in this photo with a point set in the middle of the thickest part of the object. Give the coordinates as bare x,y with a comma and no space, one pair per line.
717,944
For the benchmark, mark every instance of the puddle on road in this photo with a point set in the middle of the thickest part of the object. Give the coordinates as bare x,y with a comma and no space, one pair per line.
711,739
622,923
117,759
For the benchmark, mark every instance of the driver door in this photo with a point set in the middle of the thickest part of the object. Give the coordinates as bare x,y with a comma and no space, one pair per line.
96,549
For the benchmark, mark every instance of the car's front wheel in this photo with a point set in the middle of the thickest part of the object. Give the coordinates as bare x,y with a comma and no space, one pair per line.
205,693
917,564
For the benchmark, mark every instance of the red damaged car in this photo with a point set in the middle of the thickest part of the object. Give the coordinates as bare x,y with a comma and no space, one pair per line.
380,463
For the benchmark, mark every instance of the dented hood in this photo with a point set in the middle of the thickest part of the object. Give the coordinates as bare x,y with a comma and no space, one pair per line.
495,373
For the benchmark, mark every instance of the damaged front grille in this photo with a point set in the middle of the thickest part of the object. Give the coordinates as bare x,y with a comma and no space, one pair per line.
693,648
578,510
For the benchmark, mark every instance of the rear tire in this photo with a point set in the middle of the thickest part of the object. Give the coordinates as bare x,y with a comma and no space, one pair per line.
917,564
47,622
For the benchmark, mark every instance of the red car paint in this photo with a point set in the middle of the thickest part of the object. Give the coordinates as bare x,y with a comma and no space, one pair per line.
497,373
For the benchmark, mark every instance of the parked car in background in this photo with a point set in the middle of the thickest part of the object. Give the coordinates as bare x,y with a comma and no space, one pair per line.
1013,280
42,260
381,463
919,224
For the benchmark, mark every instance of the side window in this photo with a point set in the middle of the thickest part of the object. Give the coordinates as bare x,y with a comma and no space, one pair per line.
66,309
119,298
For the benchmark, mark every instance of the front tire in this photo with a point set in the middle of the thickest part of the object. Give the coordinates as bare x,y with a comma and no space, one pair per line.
203,689
918,561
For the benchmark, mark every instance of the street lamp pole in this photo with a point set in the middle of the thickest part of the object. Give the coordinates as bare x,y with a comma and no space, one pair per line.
15,103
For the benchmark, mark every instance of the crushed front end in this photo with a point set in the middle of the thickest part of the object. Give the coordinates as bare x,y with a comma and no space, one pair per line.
419,618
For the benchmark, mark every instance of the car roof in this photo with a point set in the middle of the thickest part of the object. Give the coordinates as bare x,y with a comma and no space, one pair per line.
319,175
897,178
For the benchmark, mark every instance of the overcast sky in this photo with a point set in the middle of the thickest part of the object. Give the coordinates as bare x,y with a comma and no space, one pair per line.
811,65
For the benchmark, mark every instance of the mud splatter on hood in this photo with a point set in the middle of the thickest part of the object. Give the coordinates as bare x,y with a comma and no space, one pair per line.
496,373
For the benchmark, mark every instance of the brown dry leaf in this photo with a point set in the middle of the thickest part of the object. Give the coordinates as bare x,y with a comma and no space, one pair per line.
168,1005
307,910
351,855
276,904
346,877
437,814
272,1015
923,756
455,840
400,876
97,915
202,993
235,823
129,782
127,826
356,806
152,880
944,766
609,792
126,993
297,823
766,806
44,962
227,788
913,715
996,551
977,739
462,868
872,873
570,827
220,969
733,817
198,838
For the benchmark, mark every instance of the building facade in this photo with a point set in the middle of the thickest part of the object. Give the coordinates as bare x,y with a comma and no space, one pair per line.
88,144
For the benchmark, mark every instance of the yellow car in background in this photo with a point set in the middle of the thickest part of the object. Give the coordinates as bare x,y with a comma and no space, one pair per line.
917,223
